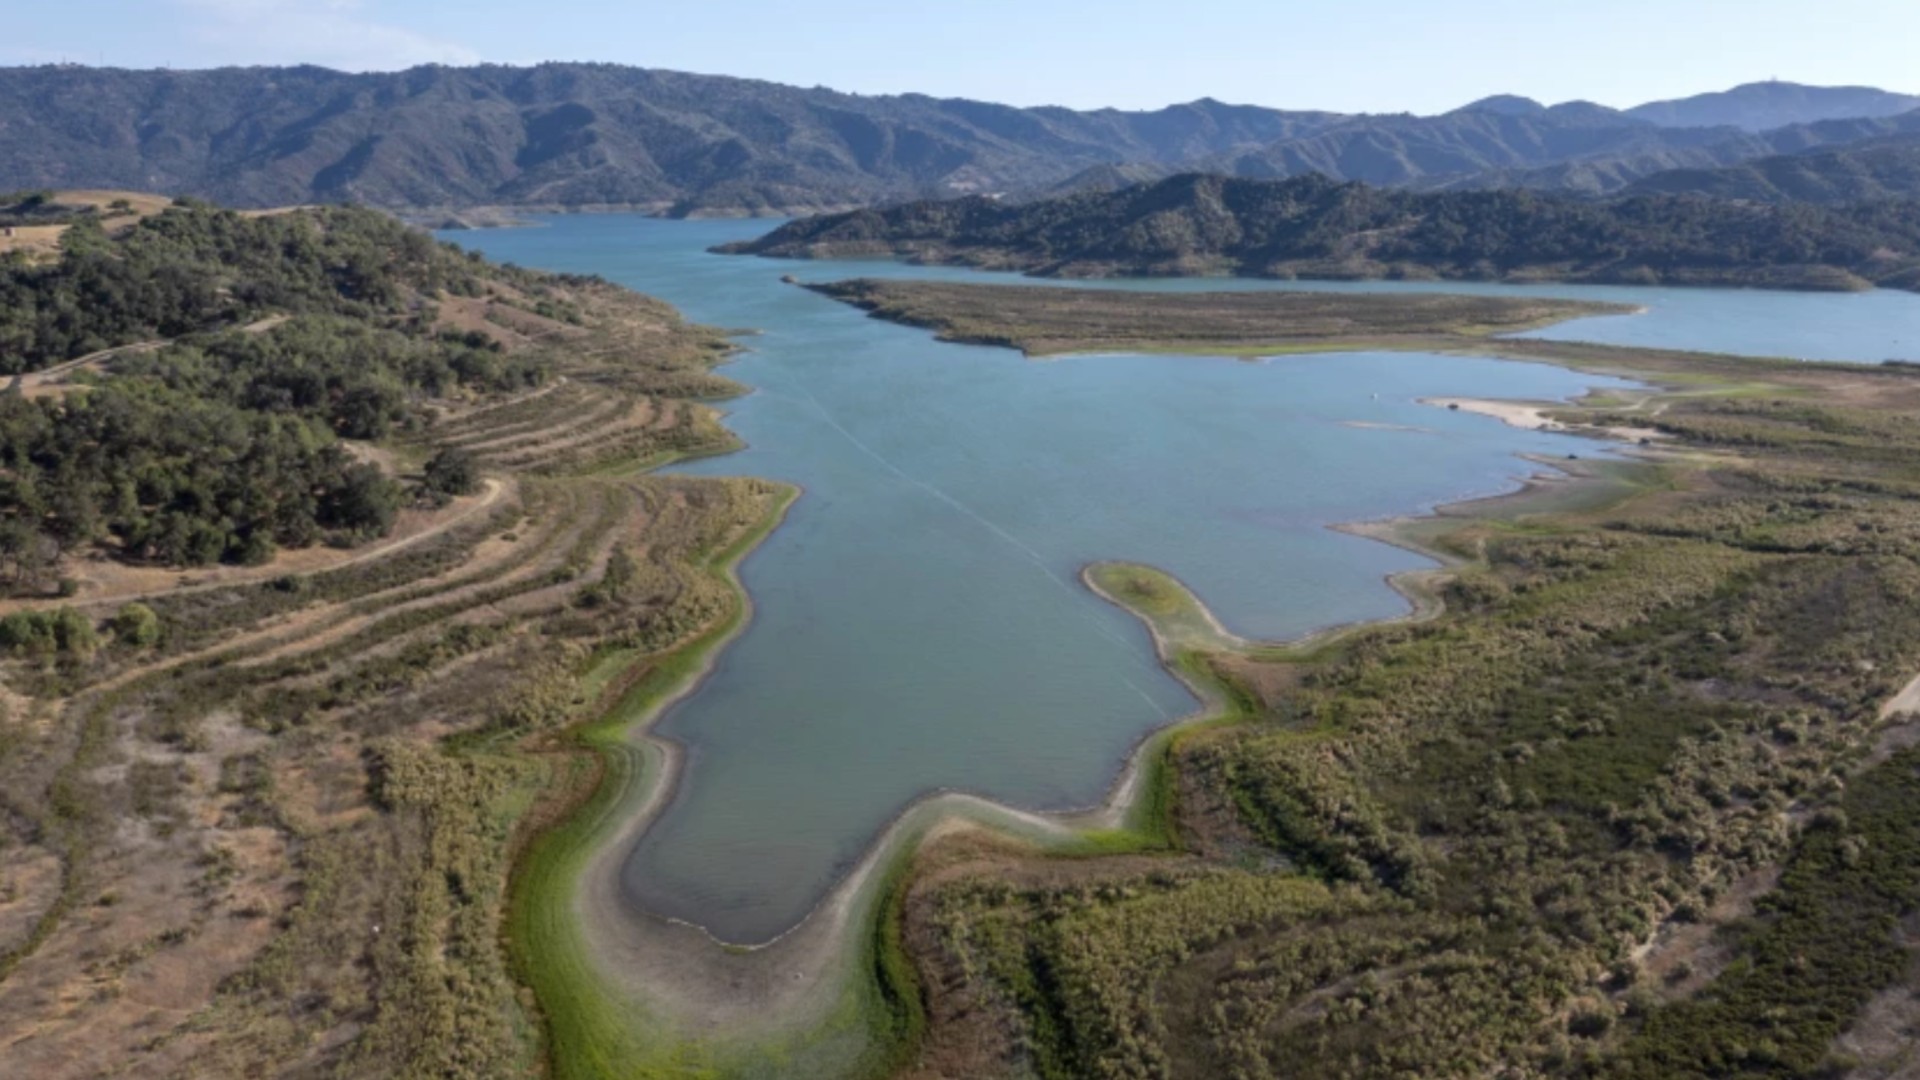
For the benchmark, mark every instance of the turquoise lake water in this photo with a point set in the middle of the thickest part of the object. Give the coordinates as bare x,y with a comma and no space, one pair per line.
919,624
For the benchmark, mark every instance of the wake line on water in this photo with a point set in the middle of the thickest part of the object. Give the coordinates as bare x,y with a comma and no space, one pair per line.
1033,556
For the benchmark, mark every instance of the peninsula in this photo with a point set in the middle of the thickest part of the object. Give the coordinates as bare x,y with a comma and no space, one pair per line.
1045,321
1313,227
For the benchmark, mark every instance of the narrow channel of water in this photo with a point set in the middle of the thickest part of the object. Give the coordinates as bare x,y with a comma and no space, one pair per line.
918,620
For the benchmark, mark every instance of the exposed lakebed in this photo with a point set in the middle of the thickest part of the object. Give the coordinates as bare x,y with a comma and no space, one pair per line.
918,620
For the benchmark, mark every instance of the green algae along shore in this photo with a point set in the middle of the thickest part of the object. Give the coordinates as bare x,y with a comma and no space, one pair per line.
838,994
627,993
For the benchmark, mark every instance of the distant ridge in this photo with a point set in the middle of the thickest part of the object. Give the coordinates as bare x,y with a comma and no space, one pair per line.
1762,106
568,136
1505,105
1859,172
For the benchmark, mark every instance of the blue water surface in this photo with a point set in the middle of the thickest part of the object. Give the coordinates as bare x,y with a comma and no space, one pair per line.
919,623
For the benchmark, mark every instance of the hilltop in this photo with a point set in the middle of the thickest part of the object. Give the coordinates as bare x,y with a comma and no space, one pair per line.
1762,106
191,383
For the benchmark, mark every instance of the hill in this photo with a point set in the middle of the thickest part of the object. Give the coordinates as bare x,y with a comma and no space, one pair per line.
598,135
183,383
564,135
1314,227
333,519
1612,173
1473,143
1880,169
1763,106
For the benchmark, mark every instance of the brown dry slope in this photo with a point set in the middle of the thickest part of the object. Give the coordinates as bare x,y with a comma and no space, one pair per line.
278,840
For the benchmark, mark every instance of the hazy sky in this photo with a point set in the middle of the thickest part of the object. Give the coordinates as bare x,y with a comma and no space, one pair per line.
1382,55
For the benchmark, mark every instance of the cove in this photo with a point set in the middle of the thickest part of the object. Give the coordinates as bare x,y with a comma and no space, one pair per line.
918,622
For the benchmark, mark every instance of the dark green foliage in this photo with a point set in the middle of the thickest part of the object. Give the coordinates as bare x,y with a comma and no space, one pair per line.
450,472
364,503
36,208
192,269
221,446
1311,226
1822,944
28,555
41,633
362,379
174,478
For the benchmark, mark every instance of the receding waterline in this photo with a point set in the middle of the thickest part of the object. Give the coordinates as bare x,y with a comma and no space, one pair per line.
919,622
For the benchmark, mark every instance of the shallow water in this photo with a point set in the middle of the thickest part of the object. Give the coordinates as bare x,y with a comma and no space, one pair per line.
919,624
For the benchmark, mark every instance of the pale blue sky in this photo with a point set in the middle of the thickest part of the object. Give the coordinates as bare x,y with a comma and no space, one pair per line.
1387,55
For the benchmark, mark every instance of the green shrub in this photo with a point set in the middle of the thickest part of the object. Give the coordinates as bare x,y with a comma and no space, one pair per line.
136,625
450,472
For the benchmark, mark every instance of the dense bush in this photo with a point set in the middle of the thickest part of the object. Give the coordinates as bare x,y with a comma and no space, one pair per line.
41,633
137,626
450,472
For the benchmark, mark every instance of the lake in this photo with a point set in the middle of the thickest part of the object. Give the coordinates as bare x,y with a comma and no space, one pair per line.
918,622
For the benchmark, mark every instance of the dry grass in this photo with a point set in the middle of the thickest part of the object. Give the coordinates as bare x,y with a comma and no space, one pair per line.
43,241
1045,321
206,868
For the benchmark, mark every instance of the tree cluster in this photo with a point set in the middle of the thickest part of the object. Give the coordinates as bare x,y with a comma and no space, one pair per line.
224,444
193,268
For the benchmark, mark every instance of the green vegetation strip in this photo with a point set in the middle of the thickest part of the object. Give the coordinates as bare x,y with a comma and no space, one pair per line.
593,1030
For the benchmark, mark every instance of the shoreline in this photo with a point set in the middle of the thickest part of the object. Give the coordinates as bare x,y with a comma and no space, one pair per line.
803,991
1003,260
1532,416
824,995
1409,584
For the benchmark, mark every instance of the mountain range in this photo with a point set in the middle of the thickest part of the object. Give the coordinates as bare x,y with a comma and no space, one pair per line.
599,135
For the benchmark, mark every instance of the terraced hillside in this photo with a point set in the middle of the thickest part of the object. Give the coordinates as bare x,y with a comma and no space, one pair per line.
258,808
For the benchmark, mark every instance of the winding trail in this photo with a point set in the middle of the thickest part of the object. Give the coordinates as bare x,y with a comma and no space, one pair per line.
462,510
